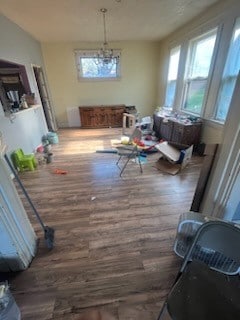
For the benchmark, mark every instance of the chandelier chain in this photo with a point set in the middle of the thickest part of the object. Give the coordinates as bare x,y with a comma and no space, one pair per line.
104,25
106,56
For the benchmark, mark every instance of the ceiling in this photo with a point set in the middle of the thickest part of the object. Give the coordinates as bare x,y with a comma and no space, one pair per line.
81,20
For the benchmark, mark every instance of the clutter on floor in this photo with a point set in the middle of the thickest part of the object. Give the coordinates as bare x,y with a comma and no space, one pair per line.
129,123
130,119
8,307
59,171
49,157
52,137
107,151
146,125
23,161
167,167
44,151
174,157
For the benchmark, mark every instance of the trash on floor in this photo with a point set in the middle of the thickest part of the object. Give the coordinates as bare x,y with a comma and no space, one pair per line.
167,167
8,306
44,154
125,140
49,157
40,158
59,171
142,158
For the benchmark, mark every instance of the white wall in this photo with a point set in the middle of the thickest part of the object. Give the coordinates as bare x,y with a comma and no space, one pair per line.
137,86
26,129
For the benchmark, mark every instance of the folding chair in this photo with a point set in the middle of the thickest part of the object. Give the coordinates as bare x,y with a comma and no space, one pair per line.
131,151
206,287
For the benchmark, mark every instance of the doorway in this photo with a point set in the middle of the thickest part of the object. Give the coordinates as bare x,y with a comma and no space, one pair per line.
13,85
44,96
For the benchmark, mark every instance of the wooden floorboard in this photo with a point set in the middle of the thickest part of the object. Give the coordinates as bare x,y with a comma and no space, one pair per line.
113,236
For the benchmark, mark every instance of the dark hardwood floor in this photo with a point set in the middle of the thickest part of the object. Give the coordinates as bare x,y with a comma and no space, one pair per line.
113,236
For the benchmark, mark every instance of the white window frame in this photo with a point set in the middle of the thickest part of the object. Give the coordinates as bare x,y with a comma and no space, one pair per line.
172,52
226,77
79,53
188,69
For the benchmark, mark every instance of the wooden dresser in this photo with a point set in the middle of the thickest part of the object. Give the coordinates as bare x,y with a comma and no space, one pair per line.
101,116
177,132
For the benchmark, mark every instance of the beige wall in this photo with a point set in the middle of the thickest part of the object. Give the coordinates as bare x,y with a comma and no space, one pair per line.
137,86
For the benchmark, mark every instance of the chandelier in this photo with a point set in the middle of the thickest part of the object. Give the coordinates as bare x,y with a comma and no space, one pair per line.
106,56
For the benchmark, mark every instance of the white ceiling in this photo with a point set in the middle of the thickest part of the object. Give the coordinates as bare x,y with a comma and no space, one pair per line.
80,20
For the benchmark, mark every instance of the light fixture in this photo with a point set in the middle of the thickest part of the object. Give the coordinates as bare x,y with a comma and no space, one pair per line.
105,55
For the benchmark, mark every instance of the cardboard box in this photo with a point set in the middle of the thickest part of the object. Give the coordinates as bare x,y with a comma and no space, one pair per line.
174,157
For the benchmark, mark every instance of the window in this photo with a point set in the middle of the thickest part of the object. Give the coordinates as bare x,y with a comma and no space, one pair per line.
91,67
172,76
196,75
230,73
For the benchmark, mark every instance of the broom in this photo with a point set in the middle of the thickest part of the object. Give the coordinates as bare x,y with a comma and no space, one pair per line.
48,231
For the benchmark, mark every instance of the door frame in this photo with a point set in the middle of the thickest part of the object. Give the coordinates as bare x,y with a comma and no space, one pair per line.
44,96
227,163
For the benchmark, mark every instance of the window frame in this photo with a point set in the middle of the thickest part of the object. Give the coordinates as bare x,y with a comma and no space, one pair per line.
92,53
172,51
226,77
187,79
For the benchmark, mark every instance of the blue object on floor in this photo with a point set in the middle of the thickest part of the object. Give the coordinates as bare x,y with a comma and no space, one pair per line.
52,137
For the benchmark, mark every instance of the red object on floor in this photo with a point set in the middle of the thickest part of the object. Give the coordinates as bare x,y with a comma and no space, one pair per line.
59,171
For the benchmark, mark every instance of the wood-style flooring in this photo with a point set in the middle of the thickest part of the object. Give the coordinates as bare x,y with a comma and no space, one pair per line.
113,236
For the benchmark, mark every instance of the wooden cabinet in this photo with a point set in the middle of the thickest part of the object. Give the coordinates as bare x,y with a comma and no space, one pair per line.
186,134
101,116
157,124
87,117
177,132
118,116
166,130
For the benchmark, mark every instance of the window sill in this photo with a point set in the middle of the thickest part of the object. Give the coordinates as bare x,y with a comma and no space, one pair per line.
82,79
213,123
